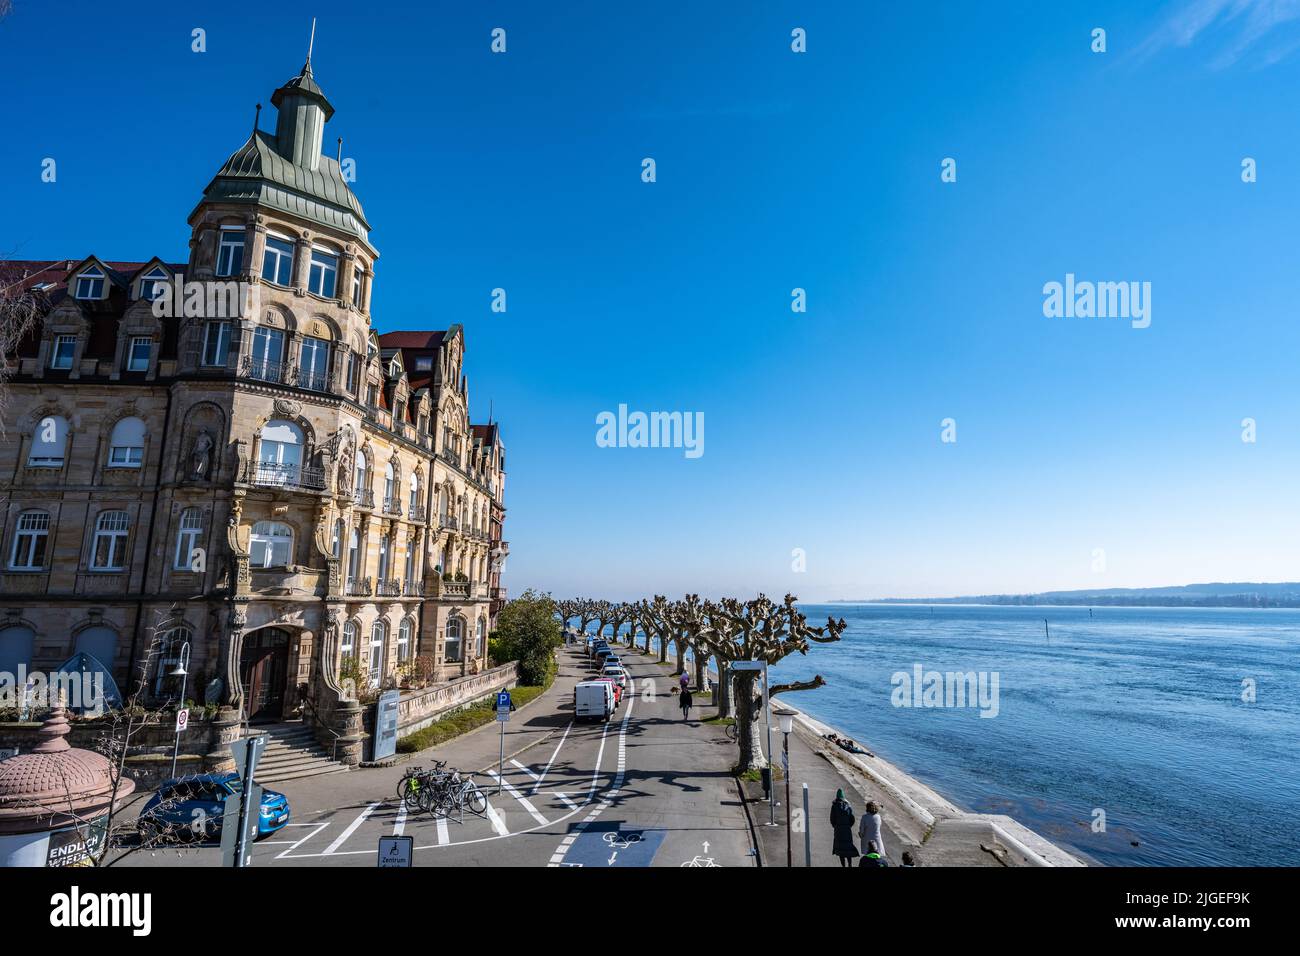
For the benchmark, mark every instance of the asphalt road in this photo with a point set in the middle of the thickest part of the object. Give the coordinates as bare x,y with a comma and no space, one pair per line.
646,789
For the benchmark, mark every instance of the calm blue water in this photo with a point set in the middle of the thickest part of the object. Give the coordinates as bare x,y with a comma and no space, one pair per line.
1137,711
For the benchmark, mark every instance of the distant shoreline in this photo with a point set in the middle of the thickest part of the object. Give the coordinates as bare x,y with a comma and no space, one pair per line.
1264,605
1238,594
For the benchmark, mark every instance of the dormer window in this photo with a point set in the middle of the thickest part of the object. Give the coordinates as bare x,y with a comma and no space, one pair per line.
323,274
65,346
424,364
150,283
90,284
230,253
277,261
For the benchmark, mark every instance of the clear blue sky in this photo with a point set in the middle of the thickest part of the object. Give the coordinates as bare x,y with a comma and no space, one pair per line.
775,170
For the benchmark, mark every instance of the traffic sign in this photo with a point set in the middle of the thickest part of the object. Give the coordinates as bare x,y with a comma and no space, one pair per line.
504,706
248,751
230,826
747,665
395,851
182,719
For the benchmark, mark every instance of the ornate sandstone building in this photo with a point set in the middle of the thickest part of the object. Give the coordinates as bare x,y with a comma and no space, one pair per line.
301,499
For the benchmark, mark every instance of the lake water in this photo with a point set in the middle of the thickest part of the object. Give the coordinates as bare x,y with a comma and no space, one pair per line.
1134,711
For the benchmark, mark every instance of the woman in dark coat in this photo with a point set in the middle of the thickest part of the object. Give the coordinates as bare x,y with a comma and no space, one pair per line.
842,821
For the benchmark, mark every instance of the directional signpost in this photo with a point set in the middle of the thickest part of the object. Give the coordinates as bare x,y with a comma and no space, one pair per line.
239,824
504,706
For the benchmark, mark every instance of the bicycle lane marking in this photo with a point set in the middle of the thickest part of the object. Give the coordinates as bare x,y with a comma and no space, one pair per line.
586,801
607,798
555,753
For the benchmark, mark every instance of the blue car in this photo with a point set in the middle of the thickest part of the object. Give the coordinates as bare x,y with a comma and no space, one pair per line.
193,807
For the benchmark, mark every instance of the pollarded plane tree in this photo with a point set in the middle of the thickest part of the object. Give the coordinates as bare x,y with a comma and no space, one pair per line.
762,630
620,614
689,620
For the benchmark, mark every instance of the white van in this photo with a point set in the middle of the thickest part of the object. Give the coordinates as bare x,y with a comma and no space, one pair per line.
593,700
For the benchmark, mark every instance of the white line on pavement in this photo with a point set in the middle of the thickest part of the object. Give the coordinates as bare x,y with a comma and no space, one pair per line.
399,825
523,801
525,769
443,837
352,828
547,768
318,828
567,802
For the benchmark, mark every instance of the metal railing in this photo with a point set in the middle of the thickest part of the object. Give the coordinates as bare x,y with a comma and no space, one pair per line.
411,588
363,498
416,513
448,521
393,506
274,474
262,370
389,588
357,587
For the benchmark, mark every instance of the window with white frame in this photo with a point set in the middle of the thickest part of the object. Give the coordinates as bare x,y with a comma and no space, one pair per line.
279,453
324,273
108,552
137,358
357,279
49,442
267,352
410,567
415,491
216,343
90,284
271,545
478,642
404,641
314,364
378,637
361,478
65,349
336,546
277,260
389,484
230,253
31,535
126,447
354,555
452,646
348,643
383,558
152,283
187,538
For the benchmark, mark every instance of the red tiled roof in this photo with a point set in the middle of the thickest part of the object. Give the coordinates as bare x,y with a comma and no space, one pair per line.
411,340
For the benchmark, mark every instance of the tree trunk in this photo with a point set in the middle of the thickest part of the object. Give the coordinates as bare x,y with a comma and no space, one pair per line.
681,656
749,714
724,688
663,647
700,659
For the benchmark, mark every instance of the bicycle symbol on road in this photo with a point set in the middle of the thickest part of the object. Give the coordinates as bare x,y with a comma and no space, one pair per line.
700,861
620,841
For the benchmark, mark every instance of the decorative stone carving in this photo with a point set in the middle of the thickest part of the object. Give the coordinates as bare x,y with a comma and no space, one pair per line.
201,457
287,408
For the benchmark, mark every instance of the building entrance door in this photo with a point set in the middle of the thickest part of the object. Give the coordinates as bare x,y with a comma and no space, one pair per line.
263,670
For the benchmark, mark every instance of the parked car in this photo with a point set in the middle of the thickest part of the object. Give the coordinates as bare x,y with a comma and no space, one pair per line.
593,700
194,806
617,673
618,688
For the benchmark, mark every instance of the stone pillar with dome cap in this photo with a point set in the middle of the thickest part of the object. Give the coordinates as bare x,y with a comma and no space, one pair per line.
55,800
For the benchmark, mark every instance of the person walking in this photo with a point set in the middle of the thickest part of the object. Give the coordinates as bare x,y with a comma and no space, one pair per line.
684,702
870,828
842,821
870,857
685,680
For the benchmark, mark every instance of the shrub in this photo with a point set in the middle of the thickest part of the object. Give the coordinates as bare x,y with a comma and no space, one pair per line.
527,631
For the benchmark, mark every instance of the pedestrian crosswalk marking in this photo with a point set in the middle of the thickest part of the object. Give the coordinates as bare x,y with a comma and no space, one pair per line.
497,823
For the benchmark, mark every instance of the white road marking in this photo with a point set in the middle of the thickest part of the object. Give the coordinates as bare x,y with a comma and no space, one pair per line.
497,823
352,828
554,754
443,837
567,802
525,769
523,801
318,828
399,825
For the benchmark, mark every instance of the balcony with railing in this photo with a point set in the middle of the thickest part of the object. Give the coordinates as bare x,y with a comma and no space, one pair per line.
276,474
449,522
357,587
389,588
416,513
363,498
411,587
393,506
263,370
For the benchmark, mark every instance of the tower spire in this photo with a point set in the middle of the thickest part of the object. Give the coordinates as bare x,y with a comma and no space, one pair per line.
311,43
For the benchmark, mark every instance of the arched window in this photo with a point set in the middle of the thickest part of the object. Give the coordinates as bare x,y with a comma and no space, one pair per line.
348,646
410,568
126,447
378,636
354,556
171,646
383,558
478,640
31,535
452,647
100,643
415,491
336,547
188,533
362,478
109,550
404,641
271,545
280,453
389,479
16,646
49,441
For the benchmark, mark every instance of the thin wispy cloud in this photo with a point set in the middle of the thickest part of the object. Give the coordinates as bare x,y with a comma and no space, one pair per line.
1258,32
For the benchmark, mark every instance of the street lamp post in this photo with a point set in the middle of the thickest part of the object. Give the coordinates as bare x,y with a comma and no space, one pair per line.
787,724
181,671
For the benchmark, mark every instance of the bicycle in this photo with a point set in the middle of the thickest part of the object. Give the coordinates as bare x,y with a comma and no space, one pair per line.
453,792
416,781
733,731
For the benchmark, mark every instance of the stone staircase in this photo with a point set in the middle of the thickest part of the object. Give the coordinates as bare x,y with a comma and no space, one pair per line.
292,752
